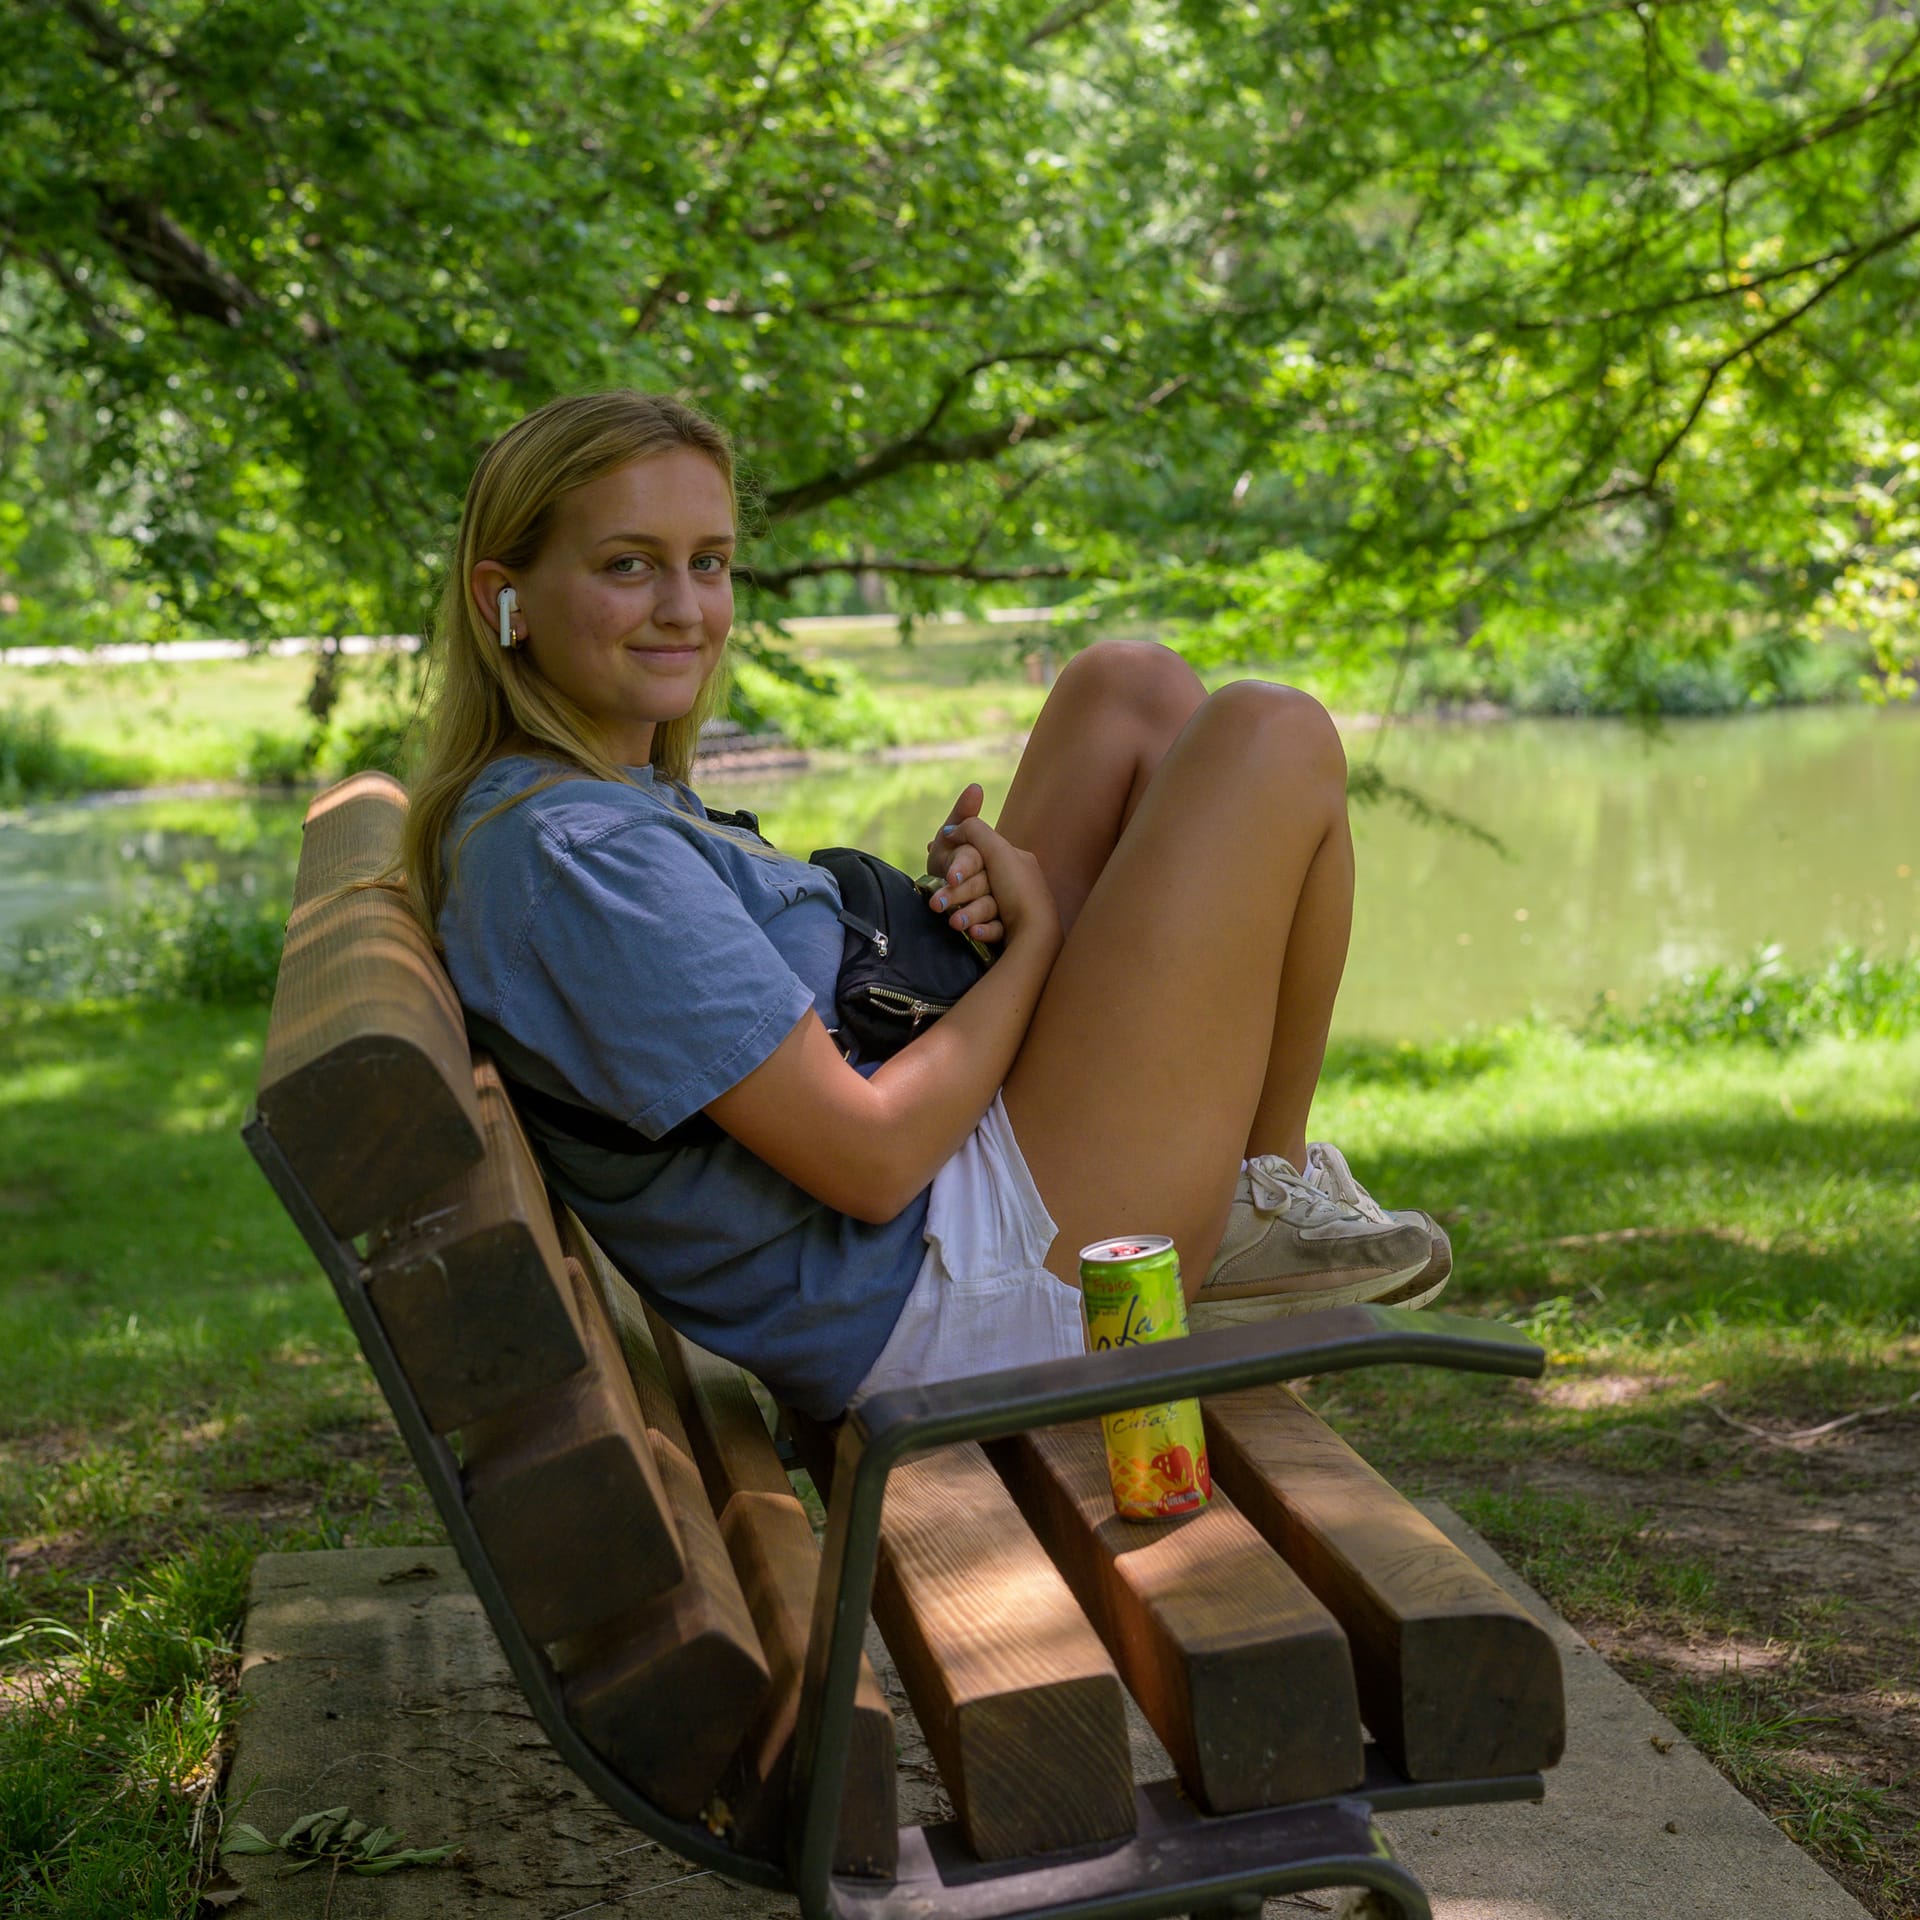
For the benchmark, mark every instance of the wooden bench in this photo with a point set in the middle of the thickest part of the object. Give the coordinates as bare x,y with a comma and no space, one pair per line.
630,1524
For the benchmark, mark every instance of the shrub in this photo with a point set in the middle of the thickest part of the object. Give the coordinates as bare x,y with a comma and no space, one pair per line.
1762,998
205,944
279,759
382,746
836,709
36,764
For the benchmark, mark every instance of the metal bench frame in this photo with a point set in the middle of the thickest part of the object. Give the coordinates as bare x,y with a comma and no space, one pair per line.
1179,1860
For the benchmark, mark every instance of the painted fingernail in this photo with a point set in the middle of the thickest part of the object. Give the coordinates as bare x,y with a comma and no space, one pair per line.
947,832
960,921
940,904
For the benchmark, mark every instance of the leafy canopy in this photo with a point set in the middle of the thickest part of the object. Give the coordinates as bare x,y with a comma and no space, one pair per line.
1341,319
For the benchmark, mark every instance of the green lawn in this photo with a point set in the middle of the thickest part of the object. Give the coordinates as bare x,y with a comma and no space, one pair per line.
221,720
169,723
1708,1227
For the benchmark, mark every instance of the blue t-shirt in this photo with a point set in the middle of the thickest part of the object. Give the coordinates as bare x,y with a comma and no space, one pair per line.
652,963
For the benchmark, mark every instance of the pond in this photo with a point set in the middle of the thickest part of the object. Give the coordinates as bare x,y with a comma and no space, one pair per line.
1627,858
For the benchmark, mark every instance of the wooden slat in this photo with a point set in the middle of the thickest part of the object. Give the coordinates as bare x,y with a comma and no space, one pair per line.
1015,1694
365,1081
772,1546
567,1497
666,1693
1244,1675
474,1294
1456,1680
669,1693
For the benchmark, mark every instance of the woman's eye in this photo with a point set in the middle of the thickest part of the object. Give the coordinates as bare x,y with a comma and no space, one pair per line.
712,562
628,563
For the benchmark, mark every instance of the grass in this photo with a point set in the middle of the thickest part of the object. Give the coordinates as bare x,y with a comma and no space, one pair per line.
1701,1235
164,724
1725,1222
178,1388
1751,1730
73,729
179,1392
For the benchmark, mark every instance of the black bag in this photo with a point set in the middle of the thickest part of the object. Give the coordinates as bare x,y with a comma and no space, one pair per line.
903,966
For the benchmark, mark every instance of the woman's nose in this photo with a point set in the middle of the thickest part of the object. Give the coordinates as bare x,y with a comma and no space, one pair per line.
677,605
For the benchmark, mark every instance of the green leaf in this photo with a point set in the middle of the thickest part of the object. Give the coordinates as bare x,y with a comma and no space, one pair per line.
309,1824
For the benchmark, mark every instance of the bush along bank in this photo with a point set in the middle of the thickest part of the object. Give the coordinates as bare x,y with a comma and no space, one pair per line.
204,945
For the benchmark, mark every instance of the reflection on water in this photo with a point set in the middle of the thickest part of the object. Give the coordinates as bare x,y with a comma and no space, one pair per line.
1632,859
59,862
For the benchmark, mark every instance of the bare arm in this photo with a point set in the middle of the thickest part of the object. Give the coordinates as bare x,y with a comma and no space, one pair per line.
866,1147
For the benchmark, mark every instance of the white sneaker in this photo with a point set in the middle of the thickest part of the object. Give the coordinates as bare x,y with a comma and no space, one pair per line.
1327,1169
1290,1247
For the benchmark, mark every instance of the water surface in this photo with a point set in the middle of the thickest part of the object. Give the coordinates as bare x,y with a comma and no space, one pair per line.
1630,859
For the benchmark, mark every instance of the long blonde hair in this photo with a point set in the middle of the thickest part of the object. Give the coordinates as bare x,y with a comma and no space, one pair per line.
492,699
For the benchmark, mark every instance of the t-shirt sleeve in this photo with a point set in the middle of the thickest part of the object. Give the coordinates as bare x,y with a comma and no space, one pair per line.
640,976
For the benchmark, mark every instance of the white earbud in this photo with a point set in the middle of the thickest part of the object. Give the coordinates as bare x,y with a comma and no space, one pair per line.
508,601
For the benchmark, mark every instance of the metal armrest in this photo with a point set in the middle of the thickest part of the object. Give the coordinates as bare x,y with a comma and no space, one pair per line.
881,1429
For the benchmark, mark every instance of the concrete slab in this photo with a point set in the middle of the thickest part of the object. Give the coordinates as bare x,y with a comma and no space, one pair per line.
373,1679
1636,1825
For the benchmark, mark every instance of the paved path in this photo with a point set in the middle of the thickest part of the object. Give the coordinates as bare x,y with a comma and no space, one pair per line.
374,1680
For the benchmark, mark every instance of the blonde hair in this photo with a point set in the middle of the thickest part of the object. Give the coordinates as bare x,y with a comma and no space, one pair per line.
492,700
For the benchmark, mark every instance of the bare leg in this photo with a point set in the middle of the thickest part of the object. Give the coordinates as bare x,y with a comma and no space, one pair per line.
1100,738
1107,726
1201,956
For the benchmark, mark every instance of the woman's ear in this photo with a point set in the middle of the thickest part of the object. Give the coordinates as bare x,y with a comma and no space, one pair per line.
483,586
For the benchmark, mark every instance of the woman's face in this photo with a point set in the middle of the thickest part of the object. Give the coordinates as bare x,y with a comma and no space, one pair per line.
628,605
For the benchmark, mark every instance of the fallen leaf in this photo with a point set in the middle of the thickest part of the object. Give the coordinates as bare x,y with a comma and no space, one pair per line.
221,1891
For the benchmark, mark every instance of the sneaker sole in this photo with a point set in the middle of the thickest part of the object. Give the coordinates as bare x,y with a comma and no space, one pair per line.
1380,1289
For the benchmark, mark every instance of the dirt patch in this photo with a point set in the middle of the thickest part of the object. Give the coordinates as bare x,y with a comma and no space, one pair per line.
38,1562
1815,1552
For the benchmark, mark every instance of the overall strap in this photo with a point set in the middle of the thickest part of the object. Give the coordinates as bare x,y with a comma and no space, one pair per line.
566,1114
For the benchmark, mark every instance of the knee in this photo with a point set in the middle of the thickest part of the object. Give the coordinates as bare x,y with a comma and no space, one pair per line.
1140,679
1277,727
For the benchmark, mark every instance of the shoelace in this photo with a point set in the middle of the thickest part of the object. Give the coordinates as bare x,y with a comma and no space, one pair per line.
1328,1173
1277,1188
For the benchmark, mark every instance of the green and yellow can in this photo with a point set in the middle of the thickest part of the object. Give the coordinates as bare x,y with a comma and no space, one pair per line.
1156,1456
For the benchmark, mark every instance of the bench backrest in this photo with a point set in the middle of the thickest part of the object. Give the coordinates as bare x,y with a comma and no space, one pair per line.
613,1531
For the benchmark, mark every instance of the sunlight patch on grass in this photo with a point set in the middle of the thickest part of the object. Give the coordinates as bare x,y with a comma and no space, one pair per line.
109,1747
1588,1562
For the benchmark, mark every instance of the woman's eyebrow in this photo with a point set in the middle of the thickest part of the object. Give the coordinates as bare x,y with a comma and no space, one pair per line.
654,540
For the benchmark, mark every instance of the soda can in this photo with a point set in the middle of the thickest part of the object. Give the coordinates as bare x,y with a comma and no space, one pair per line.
1156,1456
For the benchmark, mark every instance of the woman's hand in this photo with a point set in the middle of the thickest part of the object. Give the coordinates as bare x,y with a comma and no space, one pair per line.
965,896
999,879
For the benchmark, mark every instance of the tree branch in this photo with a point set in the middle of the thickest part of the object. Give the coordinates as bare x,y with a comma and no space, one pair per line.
784,503
1747,348
158,252
1062,19
920,449
780,579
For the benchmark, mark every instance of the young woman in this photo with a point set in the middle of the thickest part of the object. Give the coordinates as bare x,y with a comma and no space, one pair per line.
1168,887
